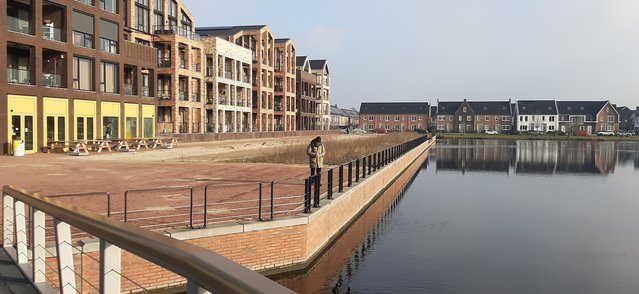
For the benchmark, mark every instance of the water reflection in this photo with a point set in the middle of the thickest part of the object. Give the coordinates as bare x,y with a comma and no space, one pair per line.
535,157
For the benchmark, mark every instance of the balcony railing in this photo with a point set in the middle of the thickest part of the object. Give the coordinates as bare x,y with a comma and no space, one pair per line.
146,92
209,100
164,94
279,88
52,80
18,25
52,33
164,62
183,96
279,68
19,76
228,75
176,30
209,72
278,108
222,100
128,89
195,97
196,128
184,128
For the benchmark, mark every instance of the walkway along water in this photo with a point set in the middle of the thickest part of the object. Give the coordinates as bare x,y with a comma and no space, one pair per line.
281,244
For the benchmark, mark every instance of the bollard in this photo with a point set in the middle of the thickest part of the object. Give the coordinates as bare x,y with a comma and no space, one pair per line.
307,195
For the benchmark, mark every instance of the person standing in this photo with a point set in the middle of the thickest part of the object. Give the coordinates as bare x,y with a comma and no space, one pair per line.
316,152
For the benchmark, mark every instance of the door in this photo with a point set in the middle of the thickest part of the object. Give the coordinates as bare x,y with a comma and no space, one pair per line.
563,129
22,126
85,127
589,129
55,128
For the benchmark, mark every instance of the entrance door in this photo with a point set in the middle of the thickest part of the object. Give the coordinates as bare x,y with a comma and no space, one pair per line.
22,126
85,128
55,128
589,129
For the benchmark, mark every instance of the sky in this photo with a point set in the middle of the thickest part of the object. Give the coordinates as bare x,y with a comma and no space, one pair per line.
424,50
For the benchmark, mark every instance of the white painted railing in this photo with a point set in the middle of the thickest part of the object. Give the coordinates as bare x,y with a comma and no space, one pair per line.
24,240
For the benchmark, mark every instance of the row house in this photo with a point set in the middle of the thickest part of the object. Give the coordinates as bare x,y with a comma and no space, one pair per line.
394,116
72,72
344,118
320,69
469,116
285,83
537,115
587,116
259,39
625,118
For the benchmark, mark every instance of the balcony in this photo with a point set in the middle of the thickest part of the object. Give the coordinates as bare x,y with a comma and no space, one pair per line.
52,33
164,94
19,76
177,31
278,108
223,100
143,53
279,68
279,88
18,25
210,100
164,62
182,64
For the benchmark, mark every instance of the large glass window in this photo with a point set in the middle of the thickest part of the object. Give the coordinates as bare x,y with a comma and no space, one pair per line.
82,74
173,8
158,21
142,16
83,29
109,33
108,77
159,5
131,127
109,5
148,127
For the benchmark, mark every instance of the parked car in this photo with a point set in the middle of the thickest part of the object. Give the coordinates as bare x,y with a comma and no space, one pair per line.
380,131
490,132
582,134
535,133
557,133
605,133
511,132
625,134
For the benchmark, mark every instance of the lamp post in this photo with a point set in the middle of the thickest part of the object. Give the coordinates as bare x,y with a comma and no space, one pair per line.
55,66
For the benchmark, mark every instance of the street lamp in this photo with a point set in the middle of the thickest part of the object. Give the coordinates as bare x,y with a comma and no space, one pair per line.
55,67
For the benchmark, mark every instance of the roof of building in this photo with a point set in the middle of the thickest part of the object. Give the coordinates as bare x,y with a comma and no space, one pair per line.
580,107
335,110
491,107
448,108
318,64
394,108
226,30
282,40
537,107
625,112
300,60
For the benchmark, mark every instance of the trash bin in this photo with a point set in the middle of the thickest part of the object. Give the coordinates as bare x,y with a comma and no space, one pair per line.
18,148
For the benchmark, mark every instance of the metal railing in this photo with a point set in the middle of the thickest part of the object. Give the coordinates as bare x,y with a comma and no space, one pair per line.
19,76
52,33
52,80
164,62
202,270
176,30
15,24
164,94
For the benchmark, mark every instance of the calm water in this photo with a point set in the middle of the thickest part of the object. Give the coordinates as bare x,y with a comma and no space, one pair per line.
500,217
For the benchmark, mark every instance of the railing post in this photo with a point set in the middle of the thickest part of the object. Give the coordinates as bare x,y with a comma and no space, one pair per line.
357,170
259,207
38,252
340,189
7,221
307,195
110,268
206,208
370,164
350,174
364,167
272,198
126,197
330,184
317,190
193,288
21,233
64,249
191,210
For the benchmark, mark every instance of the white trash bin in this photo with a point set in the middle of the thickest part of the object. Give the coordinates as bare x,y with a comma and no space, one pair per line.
18,148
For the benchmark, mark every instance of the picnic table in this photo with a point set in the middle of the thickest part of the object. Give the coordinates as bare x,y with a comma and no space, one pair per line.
74,147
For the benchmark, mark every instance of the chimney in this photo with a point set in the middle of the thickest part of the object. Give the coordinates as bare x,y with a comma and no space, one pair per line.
464,99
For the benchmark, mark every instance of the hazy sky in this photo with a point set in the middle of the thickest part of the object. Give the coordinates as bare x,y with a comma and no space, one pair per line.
453,49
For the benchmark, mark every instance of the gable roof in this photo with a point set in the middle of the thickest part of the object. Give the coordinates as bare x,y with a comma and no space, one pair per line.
282,40
395,108
226,30
537,107
318,64
491,107
448,108
590,108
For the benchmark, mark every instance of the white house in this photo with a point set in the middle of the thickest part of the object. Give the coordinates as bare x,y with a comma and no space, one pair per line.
537,115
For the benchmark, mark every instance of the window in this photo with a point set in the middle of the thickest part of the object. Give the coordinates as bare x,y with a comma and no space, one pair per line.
551,118
388,118
109,36
142,15
371,118
158,21
173,8
109,5
82,29
478,118
526,118
159,5
397,127
611,119
469,118
441,118
420,118
505,127
82,74
461,118
496,118
551,128
413,118
397,118
523,127
487,118
543,118
370,127
111,127
505,118
387,127
87,2
480,127
108,77
131,127
464,109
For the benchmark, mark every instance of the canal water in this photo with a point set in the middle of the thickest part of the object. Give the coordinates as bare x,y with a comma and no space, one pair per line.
490,216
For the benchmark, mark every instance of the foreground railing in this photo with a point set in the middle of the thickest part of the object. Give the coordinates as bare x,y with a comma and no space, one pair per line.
25,234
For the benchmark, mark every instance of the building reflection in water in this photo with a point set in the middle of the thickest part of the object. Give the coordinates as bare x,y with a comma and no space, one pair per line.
534,157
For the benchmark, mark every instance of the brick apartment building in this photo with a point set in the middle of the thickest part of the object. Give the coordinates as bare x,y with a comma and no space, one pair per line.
285,83
587,116
321,71
313,94
72,73
394,116
259,39
474,116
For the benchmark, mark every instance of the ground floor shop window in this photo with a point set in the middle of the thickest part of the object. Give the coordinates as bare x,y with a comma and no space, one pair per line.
111,127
